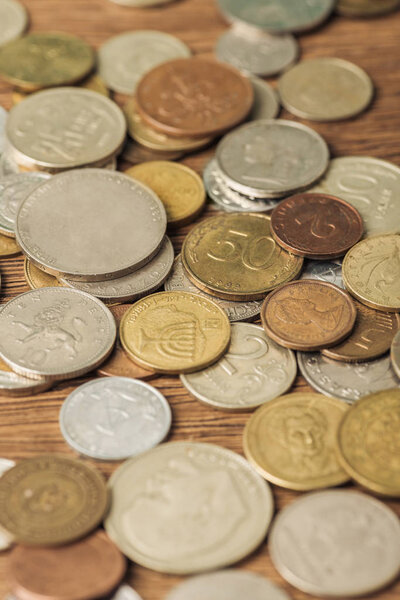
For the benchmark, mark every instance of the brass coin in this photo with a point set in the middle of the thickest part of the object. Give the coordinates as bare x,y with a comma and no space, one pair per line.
235,258
368,442
175,332
51,500
93,83
8,247
179,188
37,278
291,441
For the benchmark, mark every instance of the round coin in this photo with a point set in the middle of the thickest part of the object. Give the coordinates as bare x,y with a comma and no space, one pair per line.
14,385
37,278
366,8
13,19
157,522
8,247
266,104
13,191
395,353
323,271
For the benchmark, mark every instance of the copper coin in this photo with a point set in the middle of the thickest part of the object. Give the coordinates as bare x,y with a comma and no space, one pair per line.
308,315
194,97
316,226
84,570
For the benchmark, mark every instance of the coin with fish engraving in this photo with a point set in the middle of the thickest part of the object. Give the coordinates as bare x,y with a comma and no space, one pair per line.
13,19
323,271
13,191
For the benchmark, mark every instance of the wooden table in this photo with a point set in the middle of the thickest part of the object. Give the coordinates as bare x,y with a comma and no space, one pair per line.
29,426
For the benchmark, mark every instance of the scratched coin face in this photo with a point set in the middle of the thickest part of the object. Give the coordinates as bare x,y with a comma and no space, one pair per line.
323,271
13,19
13,191
253,371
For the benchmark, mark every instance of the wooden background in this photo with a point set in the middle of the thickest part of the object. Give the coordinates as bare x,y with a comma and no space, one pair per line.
29,426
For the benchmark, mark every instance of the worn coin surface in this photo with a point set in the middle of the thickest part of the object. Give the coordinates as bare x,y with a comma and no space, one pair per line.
253,371
13,19
366,8
272,158
194,507
323,271
13,191
8,247
351,542
395,354
37,278
266,104
14,385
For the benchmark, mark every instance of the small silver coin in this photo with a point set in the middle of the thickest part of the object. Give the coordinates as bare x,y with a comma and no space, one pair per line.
114,418
266,103
13,20
8,166
13,191
324,271
3,119
125,592
336,543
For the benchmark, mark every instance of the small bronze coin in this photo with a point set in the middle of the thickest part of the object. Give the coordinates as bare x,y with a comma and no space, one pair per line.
308,315
194,97
90,568
316,226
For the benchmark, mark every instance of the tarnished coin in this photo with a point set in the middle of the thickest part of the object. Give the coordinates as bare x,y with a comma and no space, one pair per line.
175,332
326,89
14,385
125,592
51,500
113,418
3,120
234,257
323,271
37,278
13,19
13,191
55,333
159,523
366,8
351,542
308,315
272,158
266,104
8,247
253,371
395,354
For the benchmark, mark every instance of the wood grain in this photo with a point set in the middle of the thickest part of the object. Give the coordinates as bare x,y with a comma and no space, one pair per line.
30,425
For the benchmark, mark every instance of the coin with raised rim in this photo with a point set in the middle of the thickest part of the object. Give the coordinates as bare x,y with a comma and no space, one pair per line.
13,19
13,191
15,385
36,278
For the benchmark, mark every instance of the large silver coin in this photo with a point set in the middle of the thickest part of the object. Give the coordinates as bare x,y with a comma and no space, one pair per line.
346,381
13,20
336,543
323,271
91,225
113,418
254,370
266,104
13,191
15,385
3,119
236,311
187,507
272,158
65,128
55,333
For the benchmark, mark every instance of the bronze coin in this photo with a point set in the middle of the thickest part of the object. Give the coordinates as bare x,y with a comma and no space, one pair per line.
308,315
84,570
316,226
194,97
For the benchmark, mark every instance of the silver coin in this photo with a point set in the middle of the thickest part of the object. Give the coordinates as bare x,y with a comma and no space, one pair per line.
125,58
3,120
336,543
266,103
113,418
6,539
253,371
134,285
125,592
324,271
15,385
236,311
13,191
8,166
55,333
65,128
346,381
272,158
13,20
91,225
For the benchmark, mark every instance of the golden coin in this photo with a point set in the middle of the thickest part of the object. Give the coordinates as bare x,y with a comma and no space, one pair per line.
291,441
179,188
368,442
371,272
175,332
8,246
235,258
93,83
37,278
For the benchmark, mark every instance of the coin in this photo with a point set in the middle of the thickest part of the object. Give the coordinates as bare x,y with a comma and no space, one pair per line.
395,354
325,89
5,465
194,97
14,385
194,507
346,381
179,188
323,271
8,247
8,166
95,123
125,592
253,371
316,226
6,540
366,8
94,567
55,333
13,191
135,153
272,158
3,120
351,543
13,19
81,206
308,315
234,257
37,278
266,104
93,83
175,332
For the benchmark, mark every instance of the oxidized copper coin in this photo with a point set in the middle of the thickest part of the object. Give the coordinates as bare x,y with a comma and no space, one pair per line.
84,570
308,315
316,226
194,97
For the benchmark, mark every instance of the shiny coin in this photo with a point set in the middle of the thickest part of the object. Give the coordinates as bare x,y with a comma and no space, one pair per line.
323,271
253,371
175,332
37,278
266,104
114,418
3,120
125,592
326,89
51,499
351,542
291,441
13,191
158,524
136,153
308,315
8,247
234,257
272,158
14,385
55,333
395,354
89,207
13,19
366,8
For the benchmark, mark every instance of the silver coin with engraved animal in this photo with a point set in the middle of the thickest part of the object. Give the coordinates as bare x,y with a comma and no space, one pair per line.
14,189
